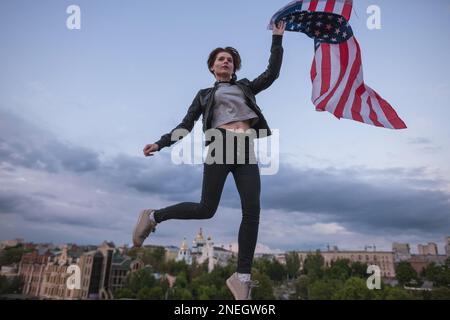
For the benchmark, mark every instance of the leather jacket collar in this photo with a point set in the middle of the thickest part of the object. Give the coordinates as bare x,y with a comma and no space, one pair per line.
232,81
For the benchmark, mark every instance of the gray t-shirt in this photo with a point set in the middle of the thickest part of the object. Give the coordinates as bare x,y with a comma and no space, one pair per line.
230,106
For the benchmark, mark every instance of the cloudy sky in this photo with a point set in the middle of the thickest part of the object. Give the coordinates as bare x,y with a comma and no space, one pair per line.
78,106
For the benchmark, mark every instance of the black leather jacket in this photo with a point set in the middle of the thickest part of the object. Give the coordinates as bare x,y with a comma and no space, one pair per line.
204,100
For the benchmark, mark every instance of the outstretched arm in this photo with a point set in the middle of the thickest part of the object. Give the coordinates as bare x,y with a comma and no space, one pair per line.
276,58
187,123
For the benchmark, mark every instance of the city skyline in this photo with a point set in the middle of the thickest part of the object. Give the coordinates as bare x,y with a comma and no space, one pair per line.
260,248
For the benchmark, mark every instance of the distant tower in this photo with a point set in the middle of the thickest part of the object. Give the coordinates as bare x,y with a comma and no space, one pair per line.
401,251
64,257
198,243
210,249
184,254
208,254
428,249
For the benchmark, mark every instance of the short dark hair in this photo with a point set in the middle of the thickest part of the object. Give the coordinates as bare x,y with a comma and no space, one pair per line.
232,51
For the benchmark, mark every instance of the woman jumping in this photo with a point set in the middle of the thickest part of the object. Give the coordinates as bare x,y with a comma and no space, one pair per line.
228,108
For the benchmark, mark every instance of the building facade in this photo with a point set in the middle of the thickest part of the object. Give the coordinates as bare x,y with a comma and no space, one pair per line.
184,254
428,249
383,259
203,251
402,251
97,273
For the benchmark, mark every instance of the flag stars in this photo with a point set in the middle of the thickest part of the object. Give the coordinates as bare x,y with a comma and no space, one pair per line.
323,26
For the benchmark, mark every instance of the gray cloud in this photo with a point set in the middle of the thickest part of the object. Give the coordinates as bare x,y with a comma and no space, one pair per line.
361,199
34,209
155,176
425,144
345,198
420,140
11,203
393,199
25,145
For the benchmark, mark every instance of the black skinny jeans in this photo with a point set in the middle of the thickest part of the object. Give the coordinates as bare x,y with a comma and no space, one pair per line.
247,177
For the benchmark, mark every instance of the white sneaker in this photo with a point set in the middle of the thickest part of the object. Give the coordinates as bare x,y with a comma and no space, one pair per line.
143,228
241,290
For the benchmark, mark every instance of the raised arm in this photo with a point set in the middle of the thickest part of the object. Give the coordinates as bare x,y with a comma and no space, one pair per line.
187,123
272,72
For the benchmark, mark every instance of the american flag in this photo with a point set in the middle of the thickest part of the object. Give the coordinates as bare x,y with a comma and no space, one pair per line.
336,72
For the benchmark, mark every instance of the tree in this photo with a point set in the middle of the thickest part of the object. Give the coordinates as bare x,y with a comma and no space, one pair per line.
155,293
440,294
140,279
313,266
180,294
301,287
292,264
340,269
439,275
354,289
13,285
406,273
154,257
204,292
124,293
275,271
264,291
175,267
396,293
182,281
323,289
12,255
212,284
358,269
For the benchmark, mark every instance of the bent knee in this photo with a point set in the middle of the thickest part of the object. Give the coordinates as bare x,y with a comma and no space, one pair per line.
206,212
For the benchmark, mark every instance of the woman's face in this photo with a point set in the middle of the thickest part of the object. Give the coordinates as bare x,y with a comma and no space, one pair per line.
223,65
